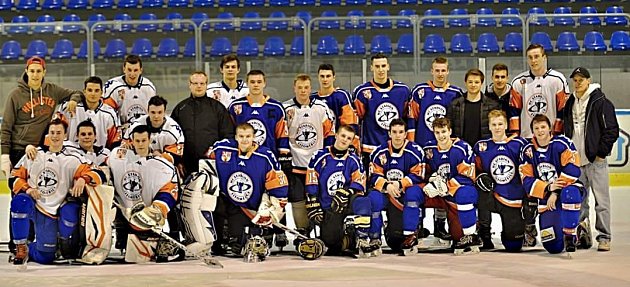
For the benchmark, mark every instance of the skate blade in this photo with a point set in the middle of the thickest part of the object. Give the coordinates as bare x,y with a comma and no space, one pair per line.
376,253
21,268
468,250
410,252
363,255
212,262
439,242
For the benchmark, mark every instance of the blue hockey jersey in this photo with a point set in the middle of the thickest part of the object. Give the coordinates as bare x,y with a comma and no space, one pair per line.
428,102
456,164
243,178
342,106
500,160
407,165
327,173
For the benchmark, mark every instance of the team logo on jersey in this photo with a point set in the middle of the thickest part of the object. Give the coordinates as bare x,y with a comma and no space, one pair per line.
240,187
537,104
528,152
47,181
384,114
429,153
394,174
132,185
421,93
547,172
433,112
547,234
483,146
335,181
290,114
216,94
444,170
238,109
502,169
260,132
367,94
226,156
383,159
121,94
306,136
121,152
135,111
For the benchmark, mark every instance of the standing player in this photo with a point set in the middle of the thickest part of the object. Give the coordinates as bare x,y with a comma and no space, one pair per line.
497,158
549,170
311,128
397,170
500,90
230,87
129,93
338,100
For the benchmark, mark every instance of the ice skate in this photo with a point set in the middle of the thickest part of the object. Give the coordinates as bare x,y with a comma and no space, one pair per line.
486,238
20,258
255,250
570,244
410,245
585,239
530,235
363,245
375,247
281,241
468,244
442,237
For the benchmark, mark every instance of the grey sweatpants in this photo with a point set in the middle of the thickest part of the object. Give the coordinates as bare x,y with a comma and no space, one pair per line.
595,179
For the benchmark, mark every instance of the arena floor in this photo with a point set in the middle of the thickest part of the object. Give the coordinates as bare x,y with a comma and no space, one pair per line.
533,267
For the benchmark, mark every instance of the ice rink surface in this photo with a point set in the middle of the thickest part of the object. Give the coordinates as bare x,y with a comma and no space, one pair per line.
532,267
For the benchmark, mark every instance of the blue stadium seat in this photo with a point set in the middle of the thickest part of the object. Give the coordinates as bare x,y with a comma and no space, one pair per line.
274,46
356,2
431,1
115,48
381,2
330,2
122,17
488,43
127,4
486,22
533,1
167,47
511,22
221,46
44,29
224,26
615,20
620,41
381,44
540,21
329,24
543,39
82,54
26,4
567,42
152,3
381,24
594,42
148,27
142,47
185,3
277,25
199,17
6,5
297,46
279,3
11,50
327,45
513,42
462,22
36,48
19,29
509,1
254,3
189,48
71,28
304,15
405,23
251,26
407,1
77,4
589,20
563,20
228,3
304,2
483,1
357,23
247,46
405,44
460,43
457,1
168,27
434,23
354,45
434,43
52,4
102,4
96,18
63,49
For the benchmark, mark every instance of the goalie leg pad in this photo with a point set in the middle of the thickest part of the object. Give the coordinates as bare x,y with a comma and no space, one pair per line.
96,220
311,249
138,250
197,216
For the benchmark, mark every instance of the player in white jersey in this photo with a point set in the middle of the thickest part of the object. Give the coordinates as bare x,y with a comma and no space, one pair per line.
102,116
41,187
129,93
147,189
167,138
311,127
540,90
229,88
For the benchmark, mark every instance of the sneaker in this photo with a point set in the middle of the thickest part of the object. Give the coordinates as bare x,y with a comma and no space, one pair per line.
603,245
585,240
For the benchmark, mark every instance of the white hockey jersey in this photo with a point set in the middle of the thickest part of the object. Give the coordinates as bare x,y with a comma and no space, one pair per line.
167,138
104,118
97,157
130,102
222,93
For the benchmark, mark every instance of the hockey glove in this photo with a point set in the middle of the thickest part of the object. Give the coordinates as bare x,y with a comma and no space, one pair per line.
485,183
147,218
529,209
314,210
340,200
286,163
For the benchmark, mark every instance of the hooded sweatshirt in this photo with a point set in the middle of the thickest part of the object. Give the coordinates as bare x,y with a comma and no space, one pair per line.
27,113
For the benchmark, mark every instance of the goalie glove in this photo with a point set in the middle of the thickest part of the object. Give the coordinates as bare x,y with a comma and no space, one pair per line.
314,210
147,217
435,188
340,200
271,210
485,183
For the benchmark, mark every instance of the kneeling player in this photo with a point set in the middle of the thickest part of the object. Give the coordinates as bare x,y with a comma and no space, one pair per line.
397,168
550,169
335,183
250,179
499,185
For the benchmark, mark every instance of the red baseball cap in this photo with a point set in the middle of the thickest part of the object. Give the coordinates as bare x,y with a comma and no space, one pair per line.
36,60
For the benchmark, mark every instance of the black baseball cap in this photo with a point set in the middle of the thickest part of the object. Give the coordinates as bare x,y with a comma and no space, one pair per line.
582,72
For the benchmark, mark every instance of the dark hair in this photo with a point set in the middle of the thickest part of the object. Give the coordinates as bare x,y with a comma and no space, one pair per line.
59,121
441,123
157,101
499,67
536,46
93,80
230,58
378,56
245,126
132,59
347,128
539,118
254,73
139,129
474,72
397,122
440,60
86,123
326,67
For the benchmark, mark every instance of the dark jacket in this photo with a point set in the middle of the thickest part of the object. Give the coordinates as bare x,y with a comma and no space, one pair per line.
455,113
504,100
601,129
204,121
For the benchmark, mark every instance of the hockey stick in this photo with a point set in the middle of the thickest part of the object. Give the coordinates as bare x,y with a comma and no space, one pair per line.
208,260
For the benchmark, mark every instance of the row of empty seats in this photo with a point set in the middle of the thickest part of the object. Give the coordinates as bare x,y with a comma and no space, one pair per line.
326,45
